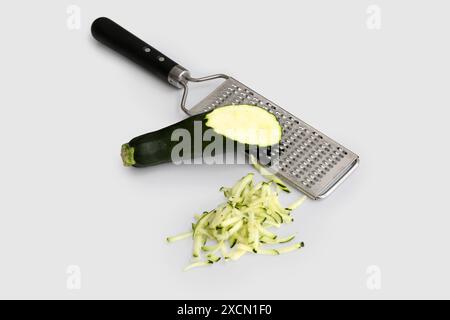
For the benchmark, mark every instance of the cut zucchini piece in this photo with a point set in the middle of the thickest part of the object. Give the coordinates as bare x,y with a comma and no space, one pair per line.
240,186
179,237
199,242
232,241
269,252
266,233
213,248
224,251
202,222
269,240
297,203
269,223
290,248
228,122
244,247
220,216
213,258
237,254
198,264
230,221
241,224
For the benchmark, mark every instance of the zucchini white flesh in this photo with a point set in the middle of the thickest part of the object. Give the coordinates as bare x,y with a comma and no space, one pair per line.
230,221
198,264
290,248
199,241
237,254
180,237
269,252
269,240
234,123
241,224
224,251
297,203
244,247
213,258
214,248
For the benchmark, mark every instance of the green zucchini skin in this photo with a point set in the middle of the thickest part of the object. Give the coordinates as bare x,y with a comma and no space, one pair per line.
156,147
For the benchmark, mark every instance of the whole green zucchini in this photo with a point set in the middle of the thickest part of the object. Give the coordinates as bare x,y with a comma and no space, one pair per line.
240,124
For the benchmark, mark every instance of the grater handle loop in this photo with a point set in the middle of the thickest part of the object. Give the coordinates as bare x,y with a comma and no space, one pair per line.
184,84
124,42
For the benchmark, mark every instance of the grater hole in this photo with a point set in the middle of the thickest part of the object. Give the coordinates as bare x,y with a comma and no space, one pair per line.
342,150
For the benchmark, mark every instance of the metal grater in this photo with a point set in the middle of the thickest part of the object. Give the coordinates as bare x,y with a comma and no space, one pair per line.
309,160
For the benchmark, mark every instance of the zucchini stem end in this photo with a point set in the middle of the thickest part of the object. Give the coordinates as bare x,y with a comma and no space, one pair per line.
127,154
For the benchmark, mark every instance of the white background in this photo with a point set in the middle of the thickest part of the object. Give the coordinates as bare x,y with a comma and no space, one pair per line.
67,104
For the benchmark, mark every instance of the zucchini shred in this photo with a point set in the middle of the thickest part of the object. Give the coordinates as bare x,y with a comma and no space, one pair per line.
240,225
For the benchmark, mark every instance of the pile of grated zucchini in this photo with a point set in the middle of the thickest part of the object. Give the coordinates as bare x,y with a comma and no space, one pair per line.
241,224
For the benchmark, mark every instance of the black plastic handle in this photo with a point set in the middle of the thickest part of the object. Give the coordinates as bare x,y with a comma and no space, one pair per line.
124,42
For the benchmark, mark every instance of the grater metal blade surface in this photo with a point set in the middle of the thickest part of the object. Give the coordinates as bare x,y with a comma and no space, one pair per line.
309,160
